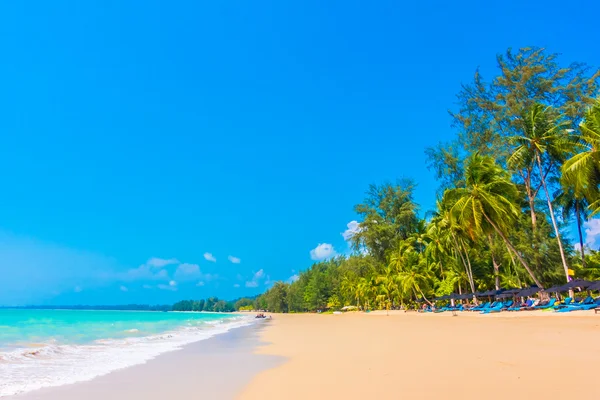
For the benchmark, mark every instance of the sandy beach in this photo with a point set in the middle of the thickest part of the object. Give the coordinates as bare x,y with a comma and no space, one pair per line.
431,356
375,356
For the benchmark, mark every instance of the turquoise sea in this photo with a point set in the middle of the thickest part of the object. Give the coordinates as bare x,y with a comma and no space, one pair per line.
40,348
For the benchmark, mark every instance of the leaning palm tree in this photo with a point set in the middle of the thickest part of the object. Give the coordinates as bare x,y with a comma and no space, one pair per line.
543,136
583,169
454,235
487,202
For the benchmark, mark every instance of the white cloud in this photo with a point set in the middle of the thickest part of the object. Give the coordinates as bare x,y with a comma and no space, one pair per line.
234,260
256,278
199,284
147,271
293,278
236,285
322,251
592,233
192,272
161,262
353,229
186,270
123,288
147,286
77,289
210,257
171,286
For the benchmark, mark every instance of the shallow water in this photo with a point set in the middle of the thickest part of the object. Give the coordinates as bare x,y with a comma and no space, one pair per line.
40,348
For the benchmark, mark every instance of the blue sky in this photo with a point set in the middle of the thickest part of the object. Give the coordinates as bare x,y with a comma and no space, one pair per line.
146,144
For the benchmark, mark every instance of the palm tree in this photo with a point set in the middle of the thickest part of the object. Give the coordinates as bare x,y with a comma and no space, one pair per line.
414,273
576,204
454,235
543,136
487,202
438,247
367,288
349,287
387,286
583,169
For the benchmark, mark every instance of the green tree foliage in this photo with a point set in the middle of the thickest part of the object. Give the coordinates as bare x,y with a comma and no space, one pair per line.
214,305
388,214
524,163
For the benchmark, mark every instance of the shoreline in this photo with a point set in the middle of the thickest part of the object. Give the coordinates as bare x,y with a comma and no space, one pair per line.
216,368
367,355
429,356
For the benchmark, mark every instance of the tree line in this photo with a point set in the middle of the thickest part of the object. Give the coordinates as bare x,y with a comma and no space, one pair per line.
214,304
523,167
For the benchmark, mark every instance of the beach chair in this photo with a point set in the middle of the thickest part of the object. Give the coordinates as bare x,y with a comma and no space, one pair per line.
496,307
567,302
508,304
518,307
587,304
494,304
546,306
480,307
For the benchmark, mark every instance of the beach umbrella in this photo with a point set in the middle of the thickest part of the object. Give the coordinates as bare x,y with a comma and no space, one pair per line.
505,295
511,291
493,292
594,286
580,283
465,296
444,297
528,291
554,289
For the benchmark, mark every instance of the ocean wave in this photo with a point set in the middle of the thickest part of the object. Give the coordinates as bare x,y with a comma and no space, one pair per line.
50,364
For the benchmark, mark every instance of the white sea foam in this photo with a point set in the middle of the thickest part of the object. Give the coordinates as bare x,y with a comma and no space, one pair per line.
26,369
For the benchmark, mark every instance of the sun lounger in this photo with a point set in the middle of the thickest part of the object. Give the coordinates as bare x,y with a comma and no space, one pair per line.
587,304
528,303
550,304
485,306
479,307
496,307
508,304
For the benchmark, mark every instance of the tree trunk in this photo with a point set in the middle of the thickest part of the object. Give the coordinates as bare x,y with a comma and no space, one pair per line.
423,295
530,198
496,266
511,247
560,246
469,263
578,215
464,264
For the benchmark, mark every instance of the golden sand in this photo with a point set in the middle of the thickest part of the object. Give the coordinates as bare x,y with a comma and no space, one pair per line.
431,356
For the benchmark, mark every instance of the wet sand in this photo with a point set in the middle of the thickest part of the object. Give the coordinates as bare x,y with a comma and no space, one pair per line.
216,368
431,356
